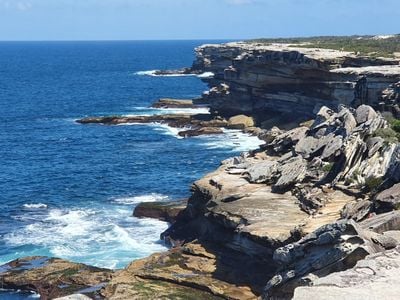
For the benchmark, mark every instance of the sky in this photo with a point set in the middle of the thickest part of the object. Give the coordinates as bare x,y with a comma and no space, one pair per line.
193,19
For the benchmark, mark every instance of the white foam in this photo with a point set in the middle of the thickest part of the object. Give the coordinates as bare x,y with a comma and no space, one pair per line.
206,75
235,140
191,111
103,236
142,198
168,130
153,73
150,111
34,205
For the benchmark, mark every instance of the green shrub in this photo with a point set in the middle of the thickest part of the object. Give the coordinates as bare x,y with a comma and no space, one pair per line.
395,124
327,167
372,183
388,134
363,45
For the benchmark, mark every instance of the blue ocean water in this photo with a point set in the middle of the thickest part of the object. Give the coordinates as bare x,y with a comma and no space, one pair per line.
68,190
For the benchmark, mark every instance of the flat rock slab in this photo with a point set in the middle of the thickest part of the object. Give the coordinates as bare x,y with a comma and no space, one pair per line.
255,210
193,271
53,277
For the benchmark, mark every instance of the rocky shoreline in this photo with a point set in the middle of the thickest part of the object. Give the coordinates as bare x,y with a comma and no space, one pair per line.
314,207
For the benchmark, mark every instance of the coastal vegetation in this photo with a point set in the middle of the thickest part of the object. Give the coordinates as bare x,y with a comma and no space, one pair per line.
386,46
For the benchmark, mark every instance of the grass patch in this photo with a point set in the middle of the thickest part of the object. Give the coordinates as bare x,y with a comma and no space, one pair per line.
363,45
327,168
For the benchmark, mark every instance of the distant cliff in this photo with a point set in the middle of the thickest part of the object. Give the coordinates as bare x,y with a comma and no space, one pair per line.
259,79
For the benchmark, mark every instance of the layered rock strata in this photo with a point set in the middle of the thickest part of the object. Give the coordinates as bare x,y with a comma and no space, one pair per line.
304,205
256,79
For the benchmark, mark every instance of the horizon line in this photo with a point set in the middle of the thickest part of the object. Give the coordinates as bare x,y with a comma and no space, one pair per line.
125,40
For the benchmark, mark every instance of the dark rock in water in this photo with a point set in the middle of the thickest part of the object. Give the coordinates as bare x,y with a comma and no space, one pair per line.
53,277
200,131
173,103
183,71
164,211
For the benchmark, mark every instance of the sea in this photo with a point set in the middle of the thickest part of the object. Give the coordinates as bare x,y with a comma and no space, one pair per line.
68,190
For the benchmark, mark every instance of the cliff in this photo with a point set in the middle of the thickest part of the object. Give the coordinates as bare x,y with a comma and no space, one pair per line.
316,205
259,79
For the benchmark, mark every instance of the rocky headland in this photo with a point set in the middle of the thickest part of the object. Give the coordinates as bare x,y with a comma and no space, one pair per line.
313,213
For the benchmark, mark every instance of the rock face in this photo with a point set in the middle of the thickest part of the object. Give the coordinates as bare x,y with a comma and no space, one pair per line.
53,277
263,202
330,248
193,271
391,99
375,277
164,211
255,79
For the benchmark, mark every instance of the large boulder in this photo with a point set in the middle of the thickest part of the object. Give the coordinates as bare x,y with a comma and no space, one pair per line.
240,122
167,211
365,113
389,198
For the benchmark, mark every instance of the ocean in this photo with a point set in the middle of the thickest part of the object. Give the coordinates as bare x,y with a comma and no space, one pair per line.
68,190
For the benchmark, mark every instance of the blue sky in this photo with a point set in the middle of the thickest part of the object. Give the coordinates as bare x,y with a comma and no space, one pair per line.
193,19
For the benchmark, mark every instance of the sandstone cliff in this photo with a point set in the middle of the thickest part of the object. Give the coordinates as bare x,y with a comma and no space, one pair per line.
314,206
257,79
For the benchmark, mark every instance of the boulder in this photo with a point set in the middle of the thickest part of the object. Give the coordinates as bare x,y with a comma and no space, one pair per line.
389,198
164,211
365,113
240,122
291,172
264,171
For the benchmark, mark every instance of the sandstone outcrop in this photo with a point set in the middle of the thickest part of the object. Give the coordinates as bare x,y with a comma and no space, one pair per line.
257,79
375,277
263,202
193,271
329,249
164,211
53,277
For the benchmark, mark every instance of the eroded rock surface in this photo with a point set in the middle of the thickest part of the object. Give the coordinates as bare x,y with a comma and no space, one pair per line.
53,277
255,79
375,277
